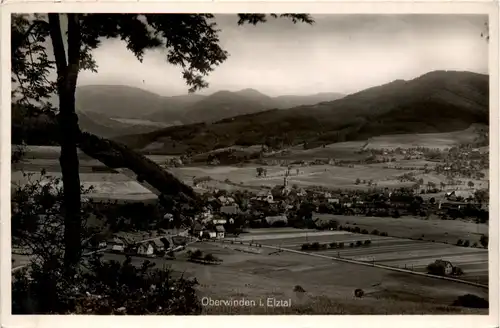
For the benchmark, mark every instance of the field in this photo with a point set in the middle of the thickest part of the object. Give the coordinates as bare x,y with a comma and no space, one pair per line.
105,185
428,140
328,176
390,251
443,231
245,177
341,151
349,150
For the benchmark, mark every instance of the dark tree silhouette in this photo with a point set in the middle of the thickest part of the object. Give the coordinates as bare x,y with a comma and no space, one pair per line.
191,41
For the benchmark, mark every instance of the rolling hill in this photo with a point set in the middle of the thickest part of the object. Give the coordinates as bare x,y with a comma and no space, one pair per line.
124,102
118,101
439,101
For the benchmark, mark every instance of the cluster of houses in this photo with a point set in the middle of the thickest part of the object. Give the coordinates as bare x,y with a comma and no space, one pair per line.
156,246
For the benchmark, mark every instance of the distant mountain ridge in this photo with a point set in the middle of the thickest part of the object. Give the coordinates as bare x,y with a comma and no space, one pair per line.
439,101
116,101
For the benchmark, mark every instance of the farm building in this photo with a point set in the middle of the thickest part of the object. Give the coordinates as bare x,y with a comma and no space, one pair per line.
230,209
116,244
146,249
220,231
271,220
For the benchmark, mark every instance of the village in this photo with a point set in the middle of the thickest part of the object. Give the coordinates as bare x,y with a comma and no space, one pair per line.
228,214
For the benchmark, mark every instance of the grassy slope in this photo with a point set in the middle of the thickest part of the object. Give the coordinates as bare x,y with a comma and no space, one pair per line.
329,285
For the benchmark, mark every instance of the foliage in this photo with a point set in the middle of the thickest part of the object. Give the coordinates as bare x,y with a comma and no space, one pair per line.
31,65
484,241
471,301
197,254
103,288
18,153
211,258
457,271
37,217
437,269
299,289
359,292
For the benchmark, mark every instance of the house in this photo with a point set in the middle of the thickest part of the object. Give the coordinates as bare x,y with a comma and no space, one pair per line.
455,194
116,245
271,220
230,209
333,200
220,231
301,193
209,234
98,241
205,216
448,267
265,196
197,229
158,245
219,220
146,249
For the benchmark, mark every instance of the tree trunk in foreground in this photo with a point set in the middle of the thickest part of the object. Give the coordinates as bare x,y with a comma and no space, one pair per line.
67,73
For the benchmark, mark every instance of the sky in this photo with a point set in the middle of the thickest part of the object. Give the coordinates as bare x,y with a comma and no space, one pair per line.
339,53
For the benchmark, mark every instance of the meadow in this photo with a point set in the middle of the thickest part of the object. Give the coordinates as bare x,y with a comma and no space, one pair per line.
328,285
395,252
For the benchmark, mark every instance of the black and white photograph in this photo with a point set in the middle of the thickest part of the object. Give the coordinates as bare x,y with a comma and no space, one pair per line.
249,163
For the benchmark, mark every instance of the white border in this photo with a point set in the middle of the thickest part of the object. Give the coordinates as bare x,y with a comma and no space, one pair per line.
381,7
